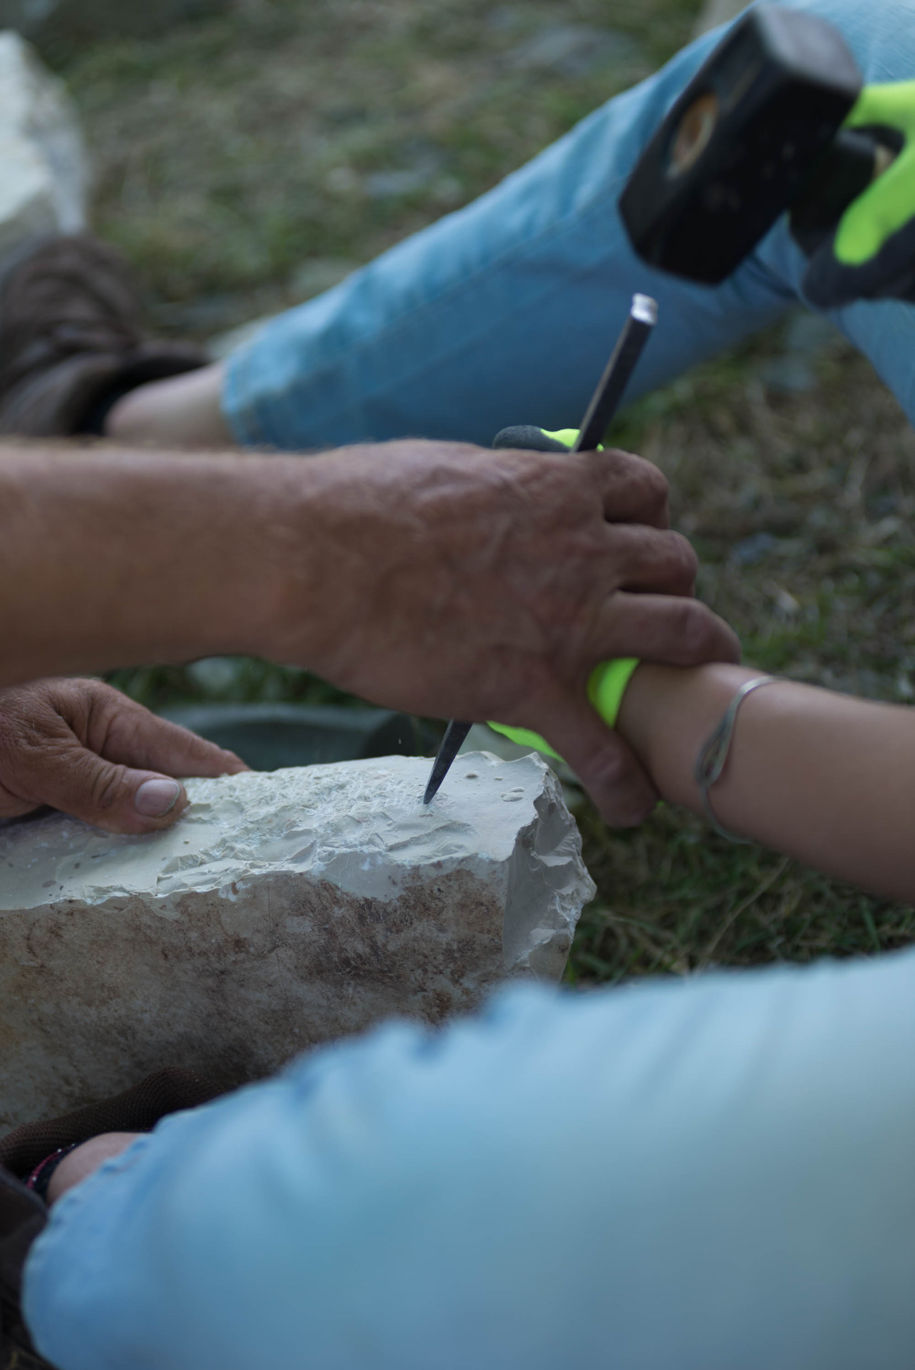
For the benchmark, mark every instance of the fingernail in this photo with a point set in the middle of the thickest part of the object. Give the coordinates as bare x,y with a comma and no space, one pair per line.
155,798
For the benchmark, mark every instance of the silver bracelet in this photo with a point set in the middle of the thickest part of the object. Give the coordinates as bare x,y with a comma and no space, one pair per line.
714,752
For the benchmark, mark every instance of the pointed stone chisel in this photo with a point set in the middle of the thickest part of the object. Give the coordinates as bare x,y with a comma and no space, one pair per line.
449,747
642,317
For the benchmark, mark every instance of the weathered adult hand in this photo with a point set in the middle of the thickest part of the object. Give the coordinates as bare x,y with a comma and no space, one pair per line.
85,748
487,585
435,577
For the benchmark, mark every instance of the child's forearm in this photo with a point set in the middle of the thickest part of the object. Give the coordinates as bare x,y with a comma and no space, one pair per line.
821,776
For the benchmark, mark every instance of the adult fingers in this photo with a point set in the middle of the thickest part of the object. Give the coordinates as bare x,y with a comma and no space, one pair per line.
83,747
671,629
609,770
124,731
68,776
651,558
631,489
127,783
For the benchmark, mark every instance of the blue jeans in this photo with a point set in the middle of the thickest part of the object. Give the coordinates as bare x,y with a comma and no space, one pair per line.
505,312
707,1174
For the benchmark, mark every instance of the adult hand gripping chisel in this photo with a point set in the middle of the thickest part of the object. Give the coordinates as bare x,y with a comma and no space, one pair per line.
603,405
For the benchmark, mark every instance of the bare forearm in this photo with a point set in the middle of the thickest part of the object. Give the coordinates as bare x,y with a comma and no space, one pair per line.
115,558
824,777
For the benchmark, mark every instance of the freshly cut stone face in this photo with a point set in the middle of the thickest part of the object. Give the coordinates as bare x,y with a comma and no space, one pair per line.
283,909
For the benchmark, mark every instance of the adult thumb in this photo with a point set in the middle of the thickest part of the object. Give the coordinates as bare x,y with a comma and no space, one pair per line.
114,797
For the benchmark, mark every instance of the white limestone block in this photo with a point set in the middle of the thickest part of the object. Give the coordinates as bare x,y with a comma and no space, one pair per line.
284,908
43,166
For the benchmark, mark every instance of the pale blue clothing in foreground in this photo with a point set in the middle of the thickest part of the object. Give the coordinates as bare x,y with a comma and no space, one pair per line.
505,312
711,1174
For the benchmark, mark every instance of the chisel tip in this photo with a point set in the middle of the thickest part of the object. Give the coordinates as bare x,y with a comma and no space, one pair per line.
451,744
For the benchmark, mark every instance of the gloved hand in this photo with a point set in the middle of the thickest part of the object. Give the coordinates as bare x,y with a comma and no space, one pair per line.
871,254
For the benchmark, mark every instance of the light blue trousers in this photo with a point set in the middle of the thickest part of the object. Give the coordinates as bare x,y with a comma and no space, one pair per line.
716,1174
709,1174
505,312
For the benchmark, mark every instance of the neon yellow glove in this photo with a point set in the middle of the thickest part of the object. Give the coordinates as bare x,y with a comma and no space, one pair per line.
871,255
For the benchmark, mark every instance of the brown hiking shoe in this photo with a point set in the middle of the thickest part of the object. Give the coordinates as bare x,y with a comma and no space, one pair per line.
70,339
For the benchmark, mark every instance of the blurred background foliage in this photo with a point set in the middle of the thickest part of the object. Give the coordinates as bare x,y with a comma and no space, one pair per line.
249,154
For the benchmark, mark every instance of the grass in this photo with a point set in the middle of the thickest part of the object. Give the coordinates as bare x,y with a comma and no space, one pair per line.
230,152
242,160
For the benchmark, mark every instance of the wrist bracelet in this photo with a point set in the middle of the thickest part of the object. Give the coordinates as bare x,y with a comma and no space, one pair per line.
40,1177
714,752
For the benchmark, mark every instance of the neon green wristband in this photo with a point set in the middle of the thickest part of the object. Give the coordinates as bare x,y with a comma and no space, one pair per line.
606,688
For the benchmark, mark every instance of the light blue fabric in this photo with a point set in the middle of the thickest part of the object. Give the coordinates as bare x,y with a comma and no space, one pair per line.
710,1174
505,312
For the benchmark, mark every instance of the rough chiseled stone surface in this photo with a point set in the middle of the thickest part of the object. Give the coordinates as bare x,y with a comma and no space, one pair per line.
284,909
42,160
